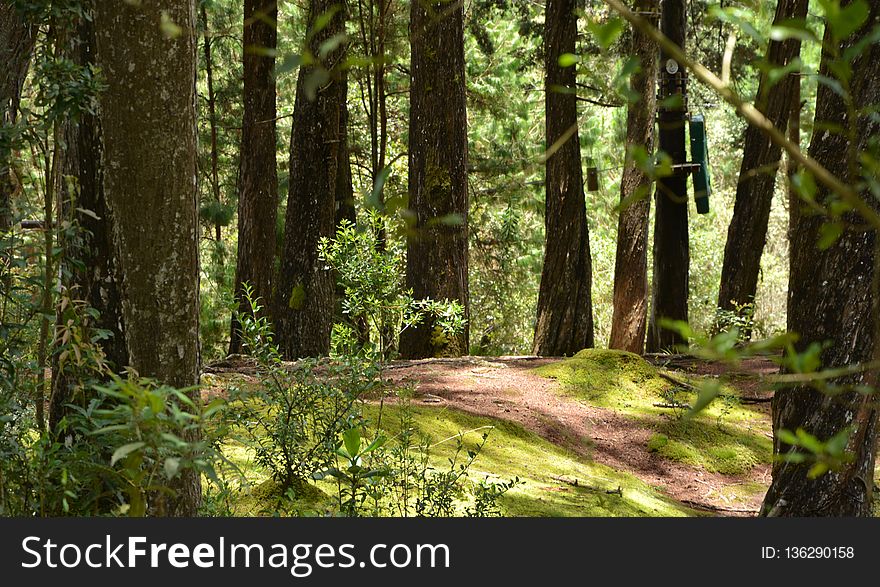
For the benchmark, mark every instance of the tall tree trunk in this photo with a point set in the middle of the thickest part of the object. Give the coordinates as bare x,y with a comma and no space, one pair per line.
437,245
150,175
90,272
257,174
747,232
669,293
629,322
212,111
832,296
304,294
565,305
16,46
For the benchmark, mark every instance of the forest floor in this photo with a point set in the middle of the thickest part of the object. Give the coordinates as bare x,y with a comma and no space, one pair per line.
514,389
579,429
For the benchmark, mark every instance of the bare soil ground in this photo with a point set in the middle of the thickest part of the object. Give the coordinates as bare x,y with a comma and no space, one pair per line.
506,388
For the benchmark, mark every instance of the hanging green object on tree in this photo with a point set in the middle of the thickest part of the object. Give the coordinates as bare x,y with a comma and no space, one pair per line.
700,155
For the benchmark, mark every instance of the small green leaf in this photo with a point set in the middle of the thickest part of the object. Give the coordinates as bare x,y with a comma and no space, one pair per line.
125,450
608,32
709,390
794,28
809,442
849,19
568,59
817,470
322,21
787,436
836,445
829,232
352,440
331,44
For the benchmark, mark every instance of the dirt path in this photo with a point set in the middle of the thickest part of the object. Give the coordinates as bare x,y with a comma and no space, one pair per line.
506,388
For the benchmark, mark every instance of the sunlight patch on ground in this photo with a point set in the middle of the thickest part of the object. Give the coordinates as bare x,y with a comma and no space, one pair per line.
725,438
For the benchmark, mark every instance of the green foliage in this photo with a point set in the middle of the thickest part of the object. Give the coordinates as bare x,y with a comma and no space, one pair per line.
292,419
120,454
216,303
304,425
155,432
398,478
823,456
371,276
741,318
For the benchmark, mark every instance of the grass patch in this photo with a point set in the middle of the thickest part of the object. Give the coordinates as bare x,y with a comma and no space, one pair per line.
725,437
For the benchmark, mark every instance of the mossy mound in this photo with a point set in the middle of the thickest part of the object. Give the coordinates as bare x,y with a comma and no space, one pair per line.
269,498
610,379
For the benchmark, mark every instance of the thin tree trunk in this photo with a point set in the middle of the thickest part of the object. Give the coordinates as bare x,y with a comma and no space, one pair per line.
93,277
150,180
257,175
437,244
794,135
833,296
629,321
54,163
345,209
747,232
303,310
669,293
16,46
565,307
212,113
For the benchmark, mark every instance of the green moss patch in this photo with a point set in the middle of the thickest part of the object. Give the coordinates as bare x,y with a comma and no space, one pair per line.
610,379
729,450
549,471
557,481
725,438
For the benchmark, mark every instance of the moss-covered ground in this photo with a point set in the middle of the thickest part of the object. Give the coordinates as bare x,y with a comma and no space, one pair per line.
548,472
727,437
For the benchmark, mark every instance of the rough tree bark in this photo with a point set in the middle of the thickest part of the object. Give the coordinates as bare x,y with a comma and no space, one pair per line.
93,277
16,46
669,293
437,244
303,306
148,125
629,321
832,296
565,307
257,172
747,232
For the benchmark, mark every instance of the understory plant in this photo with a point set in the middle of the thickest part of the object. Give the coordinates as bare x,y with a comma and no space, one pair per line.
395,476
370,272
293,416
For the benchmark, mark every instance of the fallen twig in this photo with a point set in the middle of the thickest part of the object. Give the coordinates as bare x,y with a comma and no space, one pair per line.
574,483
676,381
673,406
715,508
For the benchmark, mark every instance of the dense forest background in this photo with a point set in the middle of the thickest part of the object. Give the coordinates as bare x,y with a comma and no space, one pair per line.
306,193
